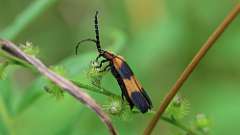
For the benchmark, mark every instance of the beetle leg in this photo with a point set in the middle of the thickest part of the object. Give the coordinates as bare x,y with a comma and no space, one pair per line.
122,96
101,63
99,56
107,68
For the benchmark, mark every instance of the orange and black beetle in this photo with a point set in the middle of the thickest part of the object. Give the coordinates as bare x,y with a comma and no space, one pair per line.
131,88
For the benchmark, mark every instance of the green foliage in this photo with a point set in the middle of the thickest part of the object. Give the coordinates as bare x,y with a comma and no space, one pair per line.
3,66
34,10
29,49
117,107
3,128
114,106
54,90
157,43
202,123
94,74
51,87
178,108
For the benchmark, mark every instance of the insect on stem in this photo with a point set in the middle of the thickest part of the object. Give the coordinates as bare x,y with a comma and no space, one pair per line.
131,89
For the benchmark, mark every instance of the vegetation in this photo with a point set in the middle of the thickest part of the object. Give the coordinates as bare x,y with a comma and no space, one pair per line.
158,43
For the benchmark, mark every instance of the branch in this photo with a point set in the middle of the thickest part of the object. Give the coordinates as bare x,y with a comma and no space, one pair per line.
189,69
65,84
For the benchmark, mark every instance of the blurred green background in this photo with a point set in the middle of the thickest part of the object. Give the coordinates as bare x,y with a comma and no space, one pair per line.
158,38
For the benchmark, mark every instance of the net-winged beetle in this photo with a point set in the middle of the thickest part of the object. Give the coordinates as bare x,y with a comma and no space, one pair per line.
132,90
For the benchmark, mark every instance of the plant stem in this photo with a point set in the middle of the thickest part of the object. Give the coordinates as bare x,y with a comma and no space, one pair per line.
95,89
63,83
16,60
109,94
189,69
179,125
35,9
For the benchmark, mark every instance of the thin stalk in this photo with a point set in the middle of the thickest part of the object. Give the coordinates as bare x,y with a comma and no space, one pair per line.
110,94
189,69
179,125
102,91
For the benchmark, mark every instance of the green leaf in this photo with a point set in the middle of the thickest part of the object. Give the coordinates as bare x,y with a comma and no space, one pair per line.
29,49
3,128
3,67
31,95
51,87
69,125
34,10
6,90
6,93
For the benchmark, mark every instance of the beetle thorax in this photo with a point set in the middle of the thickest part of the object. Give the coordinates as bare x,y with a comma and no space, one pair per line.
108,55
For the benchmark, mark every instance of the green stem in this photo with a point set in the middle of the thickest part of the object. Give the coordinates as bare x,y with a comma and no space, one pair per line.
34,10
109,94
179,125
95,89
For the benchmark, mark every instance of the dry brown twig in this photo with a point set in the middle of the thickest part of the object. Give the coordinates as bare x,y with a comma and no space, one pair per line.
65,84
189,69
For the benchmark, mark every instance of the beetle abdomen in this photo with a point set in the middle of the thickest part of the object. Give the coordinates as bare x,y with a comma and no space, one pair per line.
130,86
140,101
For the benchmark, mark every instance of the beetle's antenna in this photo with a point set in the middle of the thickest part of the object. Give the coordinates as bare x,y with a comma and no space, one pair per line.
97,33
96,41
85,40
